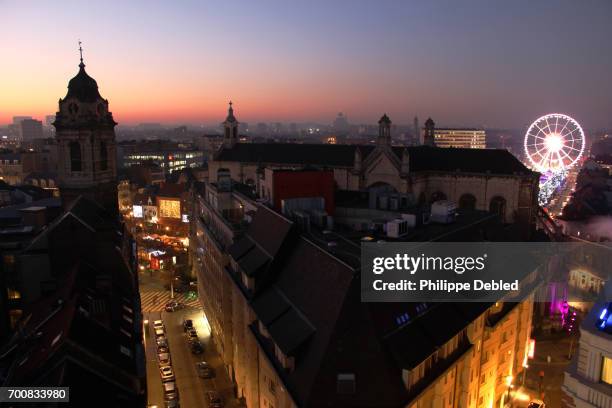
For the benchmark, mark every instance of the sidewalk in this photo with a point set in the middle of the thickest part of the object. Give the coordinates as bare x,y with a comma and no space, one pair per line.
221,382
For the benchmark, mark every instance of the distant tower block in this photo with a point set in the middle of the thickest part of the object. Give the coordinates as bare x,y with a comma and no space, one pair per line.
416,131
85,133
429,132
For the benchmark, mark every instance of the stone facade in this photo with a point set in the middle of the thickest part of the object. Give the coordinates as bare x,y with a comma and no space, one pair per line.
86,144
512,194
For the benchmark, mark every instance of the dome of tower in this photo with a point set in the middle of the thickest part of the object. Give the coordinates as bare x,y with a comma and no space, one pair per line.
83,87
384,119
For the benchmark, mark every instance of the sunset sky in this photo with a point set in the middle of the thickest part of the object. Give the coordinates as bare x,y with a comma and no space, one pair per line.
468,62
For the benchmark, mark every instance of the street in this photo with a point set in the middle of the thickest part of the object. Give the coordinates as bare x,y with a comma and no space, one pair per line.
191,388
557,347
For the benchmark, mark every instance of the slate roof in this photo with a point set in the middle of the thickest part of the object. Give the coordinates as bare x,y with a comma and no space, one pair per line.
422,158
93,214
259,246
172,190
312,311
80,325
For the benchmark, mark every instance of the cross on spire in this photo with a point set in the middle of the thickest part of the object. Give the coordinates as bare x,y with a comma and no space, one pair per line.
81,52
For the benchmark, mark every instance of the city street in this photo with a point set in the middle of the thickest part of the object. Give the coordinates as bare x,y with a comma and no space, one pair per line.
191,388
557,347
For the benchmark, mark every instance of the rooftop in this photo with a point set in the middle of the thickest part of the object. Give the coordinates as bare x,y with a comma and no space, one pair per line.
422,158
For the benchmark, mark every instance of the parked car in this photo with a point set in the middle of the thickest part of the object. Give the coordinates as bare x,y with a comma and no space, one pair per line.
172,404
196,347
160,333
164,359
187,324
162,341
162,349
166,373
170,391
204,370
536,403
173,306
158,324
214,399
191,334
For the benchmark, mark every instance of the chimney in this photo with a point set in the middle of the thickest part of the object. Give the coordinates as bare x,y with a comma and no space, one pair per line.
34,217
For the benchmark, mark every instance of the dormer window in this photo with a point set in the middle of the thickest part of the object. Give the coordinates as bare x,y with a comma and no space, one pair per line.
346,383
248,282
287,362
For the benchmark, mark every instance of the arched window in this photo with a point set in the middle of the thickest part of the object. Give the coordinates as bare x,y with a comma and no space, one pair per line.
498,206
437,196
103,156
467,202
75,156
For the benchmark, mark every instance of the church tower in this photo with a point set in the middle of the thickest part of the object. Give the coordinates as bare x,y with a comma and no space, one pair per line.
230,128
384,131
429,133
85,133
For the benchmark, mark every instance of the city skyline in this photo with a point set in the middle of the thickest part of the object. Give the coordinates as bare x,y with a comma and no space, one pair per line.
480,65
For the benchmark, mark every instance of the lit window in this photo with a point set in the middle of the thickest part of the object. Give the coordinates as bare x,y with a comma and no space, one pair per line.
13,294
606,370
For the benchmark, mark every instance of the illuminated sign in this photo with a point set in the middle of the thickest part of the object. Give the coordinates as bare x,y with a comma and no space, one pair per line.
531,349
185,218
137,211
150,213
170,208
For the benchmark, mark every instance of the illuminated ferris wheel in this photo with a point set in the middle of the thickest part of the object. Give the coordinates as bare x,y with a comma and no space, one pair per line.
554,143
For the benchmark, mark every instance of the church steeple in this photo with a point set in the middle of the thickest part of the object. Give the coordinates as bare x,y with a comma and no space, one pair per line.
384,131
86,143
230,128
429,132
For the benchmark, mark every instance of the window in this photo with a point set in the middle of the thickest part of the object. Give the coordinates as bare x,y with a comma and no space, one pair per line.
75,156
498,206
346,383
272,386
606,370
13,294
14,316
467,202
103,156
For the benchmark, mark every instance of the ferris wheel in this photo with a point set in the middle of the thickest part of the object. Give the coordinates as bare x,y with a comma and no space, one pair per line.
554,143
